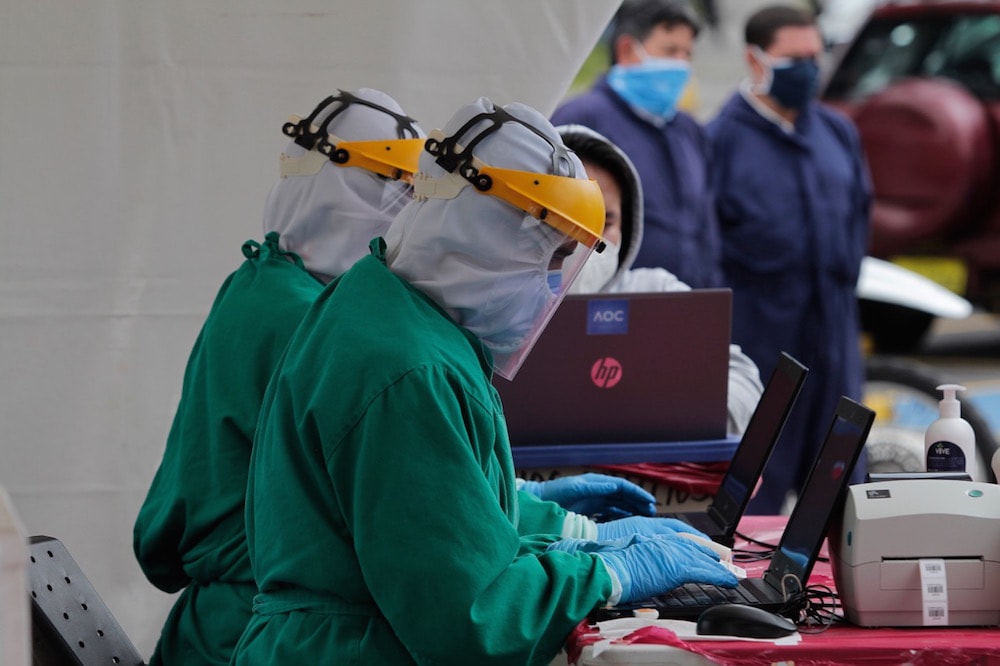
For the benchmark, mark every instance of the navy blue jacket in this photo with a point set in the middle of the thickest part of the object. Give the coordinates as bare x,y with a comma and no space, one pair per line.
681,233
794,214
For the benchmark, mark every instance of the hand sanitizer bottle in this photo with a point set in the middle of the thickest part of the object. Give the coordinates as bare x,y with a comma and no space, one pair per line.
950,442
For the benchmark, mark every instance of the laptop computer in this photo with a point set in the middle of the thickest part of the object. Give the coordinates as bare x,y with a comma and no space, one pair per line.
611,368
720,519
800,542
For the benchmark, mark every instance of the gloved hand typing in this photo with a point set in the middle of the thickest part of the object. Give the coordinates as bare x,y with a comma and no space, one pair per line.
591,494
572,545
623,527
652,565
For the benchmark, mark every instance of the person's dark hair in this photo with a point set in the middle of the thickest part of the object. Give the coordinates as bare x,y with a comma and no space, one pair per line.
592,149
763,24
637,18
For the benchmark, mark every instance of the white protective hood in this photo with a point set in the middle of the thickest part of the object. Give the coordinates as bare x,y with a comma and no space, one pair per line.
480,258
328,218
594,147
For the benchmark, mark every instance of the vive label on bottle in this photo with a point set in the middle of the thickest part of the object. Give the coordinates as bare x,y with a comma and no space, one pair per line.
945,456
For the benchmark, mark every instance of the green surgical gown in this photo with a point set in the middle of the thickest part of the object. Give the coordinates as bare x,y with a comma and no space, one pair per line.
381,507
537,516
189,533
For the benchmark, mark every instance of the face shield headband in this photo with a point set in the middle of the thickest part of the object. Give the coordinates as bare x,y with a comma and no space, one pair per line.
571,205
394,159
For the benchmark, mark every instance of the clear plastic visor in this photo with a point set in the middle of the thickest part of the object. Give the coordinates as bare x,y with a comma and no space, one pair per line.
527,297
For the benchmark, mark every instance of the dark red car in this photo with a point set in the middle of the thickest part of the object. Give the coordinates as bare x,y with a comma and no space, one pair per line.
922,82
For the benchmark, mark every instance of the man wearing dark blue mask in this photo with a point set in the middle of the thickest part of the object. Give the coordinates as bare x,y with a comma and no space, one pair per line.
793,198
635,105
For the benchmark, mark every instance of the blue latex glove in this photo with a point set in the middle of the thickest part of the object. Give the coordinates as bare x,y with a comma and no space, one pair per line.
617,529
653,565
590,494
571,545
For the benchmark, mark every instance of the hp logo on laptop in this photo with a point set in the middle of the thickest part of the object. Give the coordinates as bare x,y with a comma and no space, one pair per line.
606,372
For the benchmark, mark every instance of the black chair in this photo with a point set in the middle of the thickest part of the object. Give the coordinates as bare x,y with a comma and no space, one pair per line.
71,624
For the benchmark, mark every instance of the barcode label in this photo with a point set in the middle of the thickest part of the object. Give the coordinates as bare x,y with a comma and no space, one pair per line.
934,581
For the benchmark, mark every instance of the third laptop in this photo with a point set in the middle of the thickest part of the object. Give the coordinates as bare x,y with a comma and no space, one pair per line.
719,521
800,543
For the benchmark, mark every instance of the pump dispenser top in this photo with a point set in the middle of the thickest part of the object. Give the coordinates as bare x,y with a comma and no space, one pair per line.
949,405
950,442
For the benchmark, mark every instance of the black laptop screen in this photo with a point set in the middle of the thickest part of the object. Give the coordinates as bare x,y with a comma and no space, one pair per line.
758,440
807,526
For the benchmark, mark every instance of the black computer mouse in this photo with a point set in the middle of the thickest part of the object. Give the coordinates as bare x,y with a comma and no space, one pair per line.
743,621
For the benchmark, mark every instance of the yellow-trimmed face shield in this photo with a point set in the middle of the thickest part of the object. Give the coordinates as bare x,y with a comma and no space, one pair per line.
392,158
573,206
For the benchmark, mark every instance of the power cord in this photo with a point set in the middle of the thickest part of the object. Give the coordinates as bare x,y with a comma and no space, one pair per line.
749,539
744,555
770,549
814,609
748,555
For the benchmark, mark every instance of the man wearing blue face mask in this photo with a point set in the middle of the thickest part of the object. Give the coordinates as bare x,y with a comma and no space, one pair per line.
793,197
635,106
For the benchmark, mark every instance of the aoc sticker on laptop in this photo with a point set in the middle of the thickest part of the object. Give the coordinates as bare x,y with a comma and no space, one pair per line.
607,317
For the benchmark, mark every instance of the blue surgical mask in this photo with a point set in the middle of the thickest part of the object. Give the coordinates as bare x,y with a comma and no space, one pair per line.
652,87
554,279
793,82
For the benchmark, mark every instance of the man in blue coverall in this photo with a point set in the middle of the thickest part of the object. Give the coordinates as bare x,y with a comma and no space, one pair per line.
793,197
635,106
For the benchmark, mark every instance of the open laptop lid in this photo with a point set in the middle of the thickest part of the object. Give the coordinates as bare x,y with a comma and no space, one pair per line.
757,443
802,539
609,368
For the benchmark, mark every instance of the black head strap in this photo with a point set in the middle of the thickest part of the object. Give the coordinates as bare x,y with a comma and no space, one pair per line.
301,132
456,157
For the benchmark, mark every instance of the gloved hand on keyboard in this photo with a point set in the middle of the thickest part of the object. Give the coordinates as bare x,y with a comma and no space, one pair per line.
647,566
571,545
590,494
623,527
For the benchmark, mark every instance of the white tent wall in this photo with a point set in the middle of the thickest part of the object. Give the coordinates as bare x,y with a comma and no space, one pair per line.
138,140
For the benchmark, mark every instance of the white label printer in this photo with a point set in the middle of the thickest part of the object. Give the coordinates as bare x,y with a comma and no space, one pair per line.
895,533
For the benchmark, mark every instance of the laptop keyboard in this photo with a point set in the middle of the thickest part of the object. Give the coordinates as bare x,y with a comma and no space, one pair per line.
696,594
688,601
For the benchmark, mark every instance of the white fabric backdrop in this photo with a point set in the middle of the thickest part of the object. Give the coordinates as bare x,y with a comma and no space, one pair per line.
138,140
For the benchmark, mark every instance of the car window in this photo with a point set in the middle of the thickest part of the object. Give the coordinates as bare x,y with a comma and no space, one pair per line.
963,48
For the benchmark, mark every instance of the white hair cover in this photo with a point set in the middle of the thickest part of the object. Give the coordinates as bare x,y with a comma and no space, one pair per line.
480,258
328,218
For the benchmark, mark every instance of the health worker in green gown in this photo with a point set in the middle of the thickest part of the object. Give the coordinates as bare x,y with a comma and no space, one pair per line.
344,175
382,513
